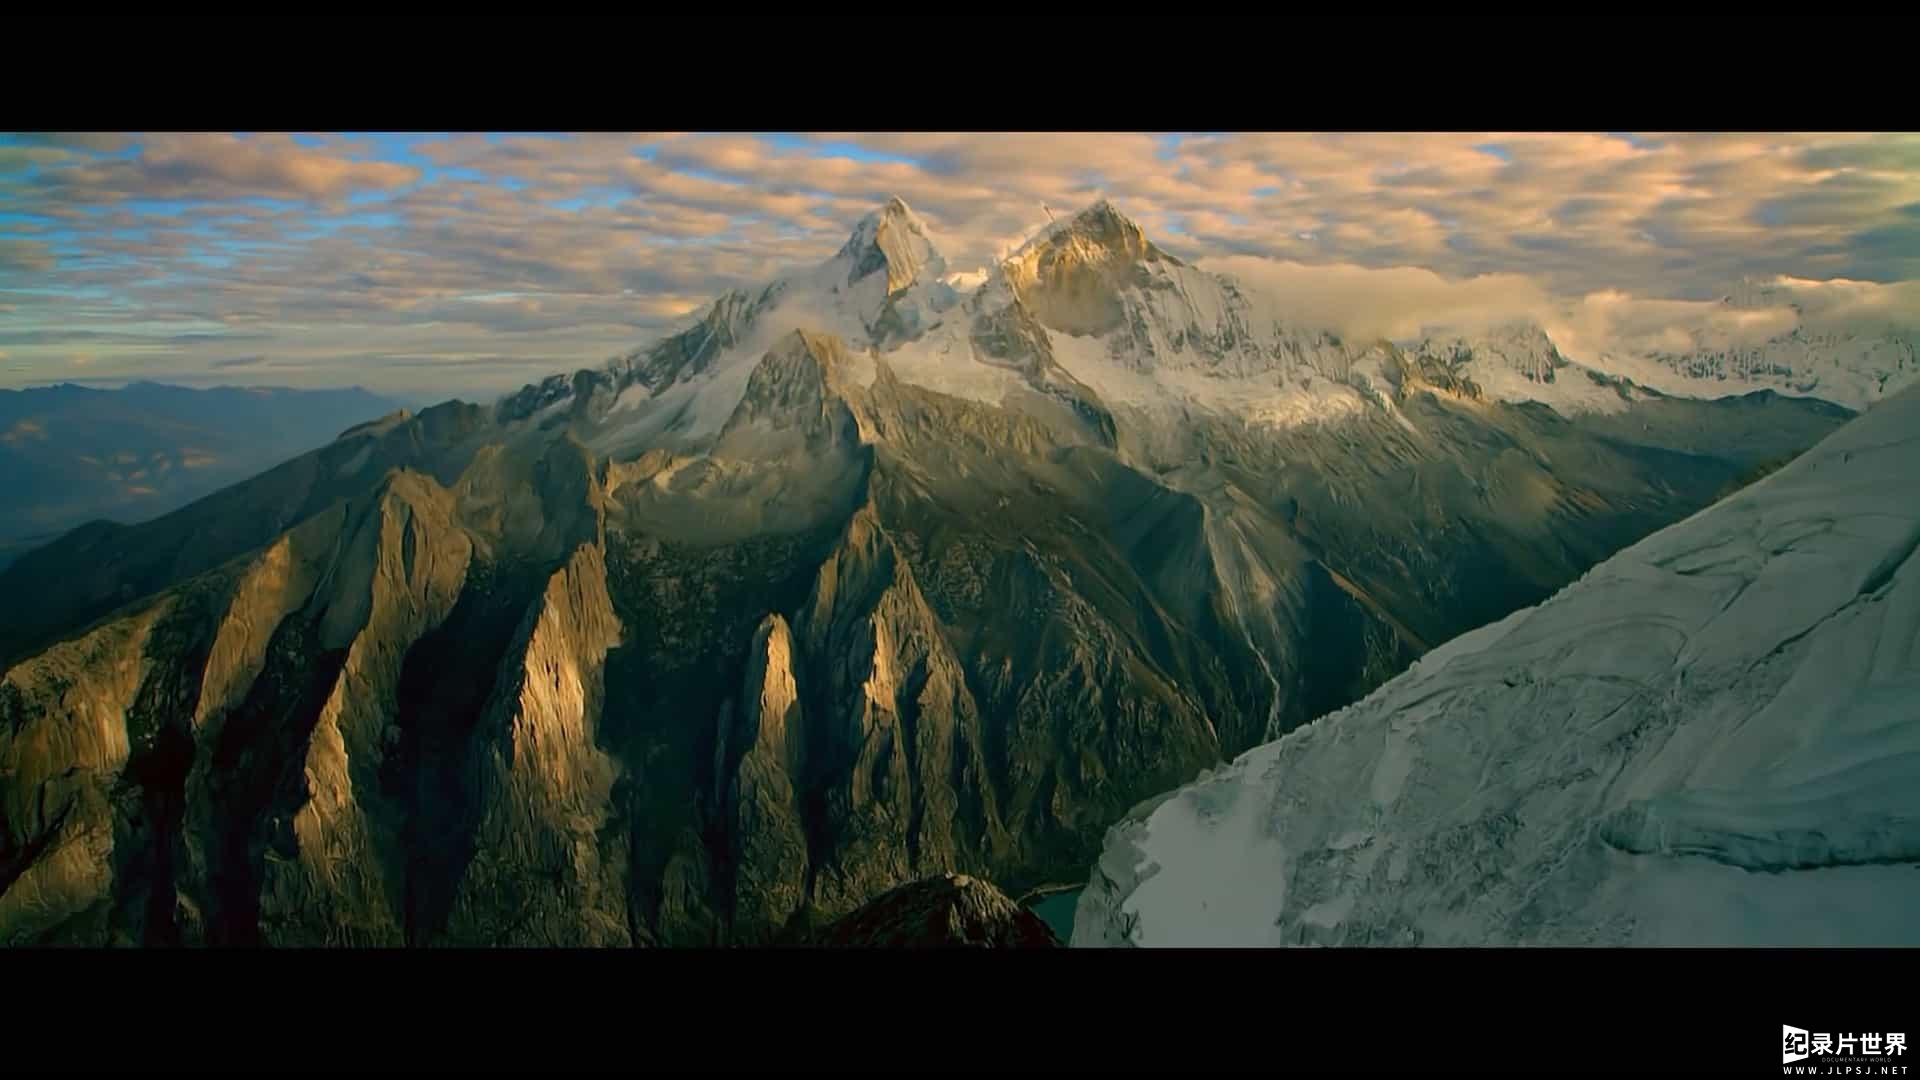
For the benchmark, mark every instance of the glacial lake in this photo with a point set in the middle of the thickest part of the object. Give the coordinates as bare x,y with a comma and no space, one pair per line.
1056,910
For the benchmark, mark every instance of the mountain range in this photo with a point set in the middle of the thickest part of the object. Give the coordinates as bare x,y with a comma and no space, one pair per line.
70,454
875,573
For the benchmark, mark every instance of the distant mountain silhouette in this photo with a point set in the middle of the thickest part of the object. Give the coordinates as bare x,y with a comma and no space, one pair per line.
71,454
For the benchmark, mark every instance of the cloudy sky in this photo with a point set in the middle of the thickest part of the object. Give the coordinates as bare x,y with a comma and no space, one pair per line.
441,265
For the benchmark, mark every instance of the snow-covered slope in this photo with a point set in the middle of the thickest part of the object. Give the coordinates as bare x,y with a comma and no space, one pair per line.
1146,330
1096,275
1844,368
1764,336
1712,738
882,288
1521,363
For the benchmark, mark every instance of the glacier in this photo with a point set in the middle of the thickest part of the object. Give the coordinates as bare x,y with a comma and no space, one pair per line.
1711,739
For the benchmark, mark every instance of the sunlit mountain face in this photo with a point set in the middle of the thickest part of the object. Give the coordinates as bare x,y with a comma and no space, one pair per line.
866,574
981,539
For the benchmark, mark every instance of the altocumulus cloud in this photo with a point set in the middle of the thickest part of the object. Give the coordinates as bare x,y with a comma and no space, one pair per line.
20,253
463,264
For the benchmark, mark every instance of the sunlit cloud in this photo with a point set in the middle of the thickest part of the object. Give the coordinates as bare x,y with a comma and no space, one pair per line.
22,254
465,264
1396,303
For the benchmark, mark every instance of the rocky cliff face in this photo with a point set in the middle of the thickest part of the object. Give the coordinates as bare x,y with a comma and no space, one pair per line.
722,641
762,757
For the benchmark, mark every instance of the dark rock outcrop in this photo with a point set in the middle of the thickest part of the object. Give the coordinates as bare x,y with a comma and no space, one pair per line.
952,911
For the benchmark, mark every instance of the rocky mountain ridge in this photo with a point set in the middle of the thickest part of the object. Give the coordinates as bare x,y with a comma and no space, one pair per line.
852,582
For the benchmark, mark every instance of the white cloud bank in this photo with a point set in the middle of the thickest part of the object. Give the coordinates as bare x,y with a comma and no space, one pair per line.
1405,302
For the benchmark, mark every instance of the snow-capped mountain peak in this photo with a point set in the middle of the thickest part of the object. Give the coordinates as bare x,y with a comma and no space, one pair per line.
1099,233
1089,275
1091,311
1517,362
1772,338
896,240
1515,350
